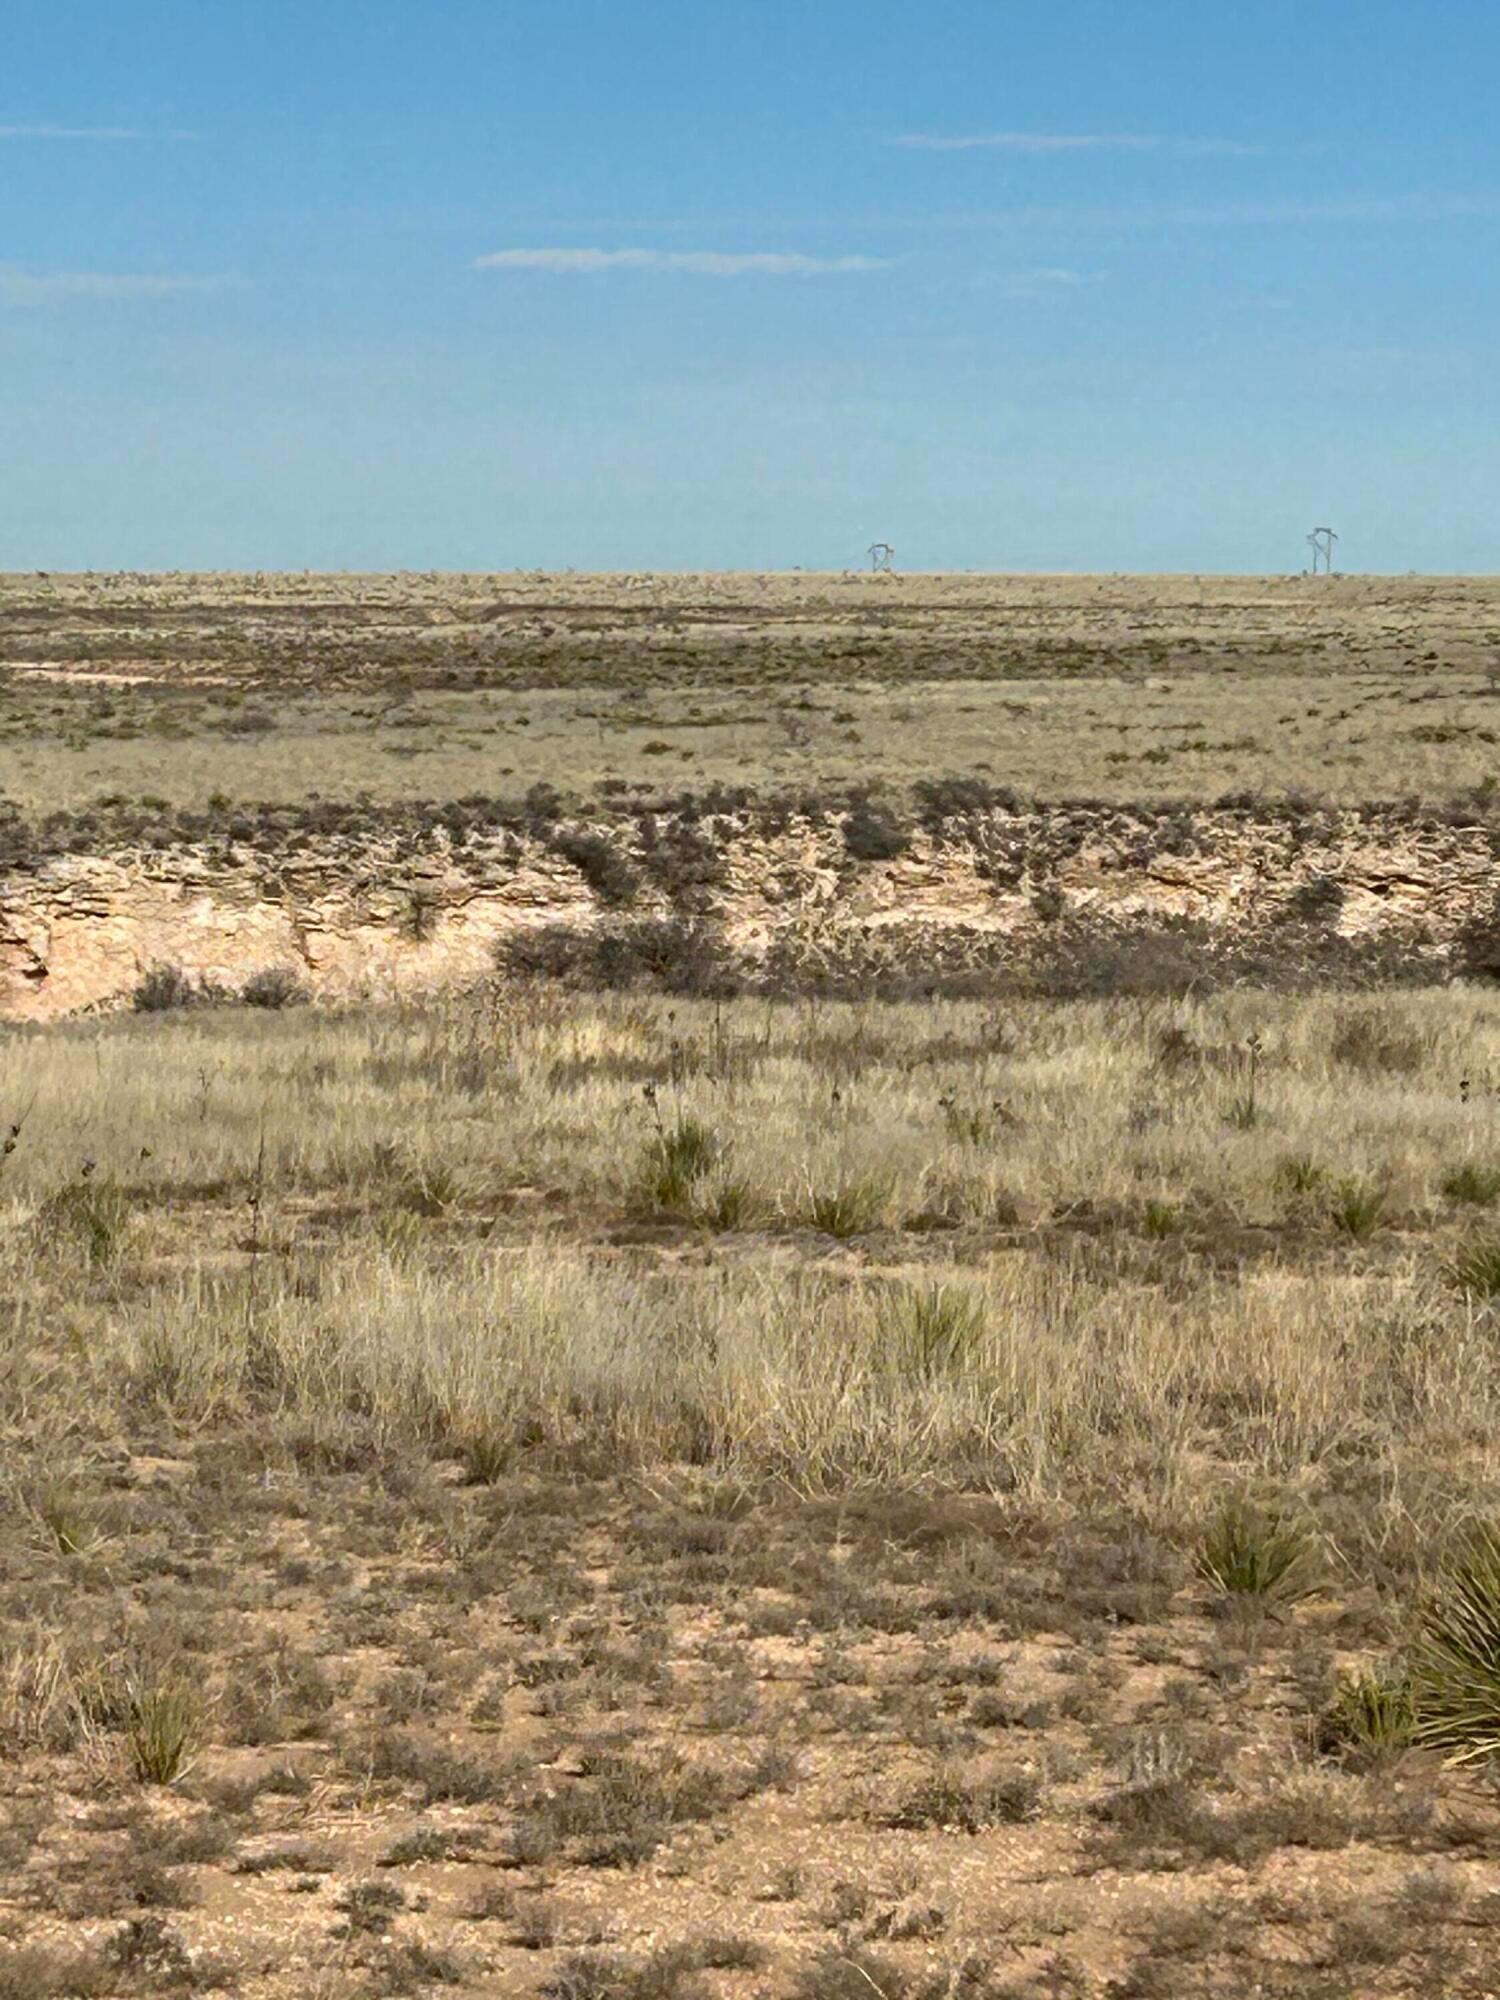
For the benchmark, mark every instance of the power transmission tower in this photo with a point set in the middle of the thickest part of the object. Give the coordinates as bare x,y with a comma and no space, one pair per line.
1321,541
882,555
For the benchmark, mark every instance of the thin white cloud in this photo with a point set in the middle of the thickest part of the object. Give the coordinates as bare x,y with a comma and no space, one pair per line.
1068,142
32,288
700,263
69,132
1046,281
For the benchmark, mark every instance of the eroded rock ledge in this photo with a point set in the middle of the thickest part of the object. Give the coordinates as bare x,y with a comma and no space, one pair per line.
986,896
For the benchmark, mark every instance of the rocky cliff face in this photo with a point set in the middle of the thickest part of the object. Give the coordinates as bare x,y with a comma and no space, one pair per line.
981,891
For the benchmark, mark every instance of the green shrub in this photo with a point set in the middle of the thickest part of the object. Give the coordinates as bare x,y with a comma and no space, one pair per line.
1160,1218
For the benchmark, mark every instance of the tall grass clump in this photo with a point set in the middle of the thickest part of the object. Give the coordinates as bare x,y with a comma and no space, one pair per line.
90,1215
678,1158
849,1207
937,1329
1475,1270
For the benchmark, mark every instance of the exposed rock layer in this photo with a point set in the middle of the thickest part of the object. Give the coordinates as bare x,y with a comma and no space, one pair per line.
382,914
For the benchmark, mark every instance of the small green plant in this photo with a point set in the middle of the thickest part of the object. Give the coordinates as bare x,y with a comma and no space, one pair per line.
1370,1716
1249,1554
1356,1208
163,1719
849,1209
93,1214
1475,1271
677,1158
1300,1173
938,1328
1160,1218
1456,1662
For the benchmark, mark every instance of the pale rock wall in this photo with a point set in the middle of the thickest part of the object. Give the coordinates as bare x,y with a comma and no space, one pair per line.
360,917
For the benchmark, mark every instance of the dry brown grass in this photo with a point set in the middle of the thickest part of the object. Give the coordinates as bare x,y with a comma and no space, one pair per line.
560,1587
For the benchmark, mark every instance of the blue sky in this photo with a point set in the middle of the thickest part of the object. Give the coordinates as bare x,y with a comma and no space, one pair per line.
1096,284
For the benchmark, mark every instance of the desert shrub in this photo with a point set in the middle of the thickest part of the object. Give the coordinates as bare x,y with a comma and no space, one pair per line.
949,1798
872,834
165,987
677,955
1317,900
952,798
275,986
1249,1554
608,873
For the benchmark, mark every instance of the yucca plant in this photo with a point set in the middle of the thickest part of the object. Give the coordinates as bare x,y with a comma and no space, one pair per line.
1476,1270
1456,1662
1357,1208
163,1720
1473,1183
1160,1218
1249,1554
67,1521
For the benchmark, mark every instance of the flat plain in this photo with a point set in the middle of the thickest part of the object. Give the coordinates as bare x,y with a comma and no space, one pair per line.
619,1496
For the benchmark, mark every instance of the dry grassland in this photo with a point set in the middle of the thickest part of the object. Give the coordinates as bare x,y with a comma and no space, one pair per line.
284,689
566,1494
598,1498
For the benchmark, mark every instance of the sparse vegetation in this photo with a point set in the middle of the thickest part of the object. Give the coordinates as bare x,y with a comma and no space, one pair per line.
661,1473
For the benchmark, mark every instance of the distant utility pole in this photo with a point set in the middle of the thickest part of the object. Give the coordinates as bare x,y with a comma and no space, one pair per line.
1321,541
882,555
